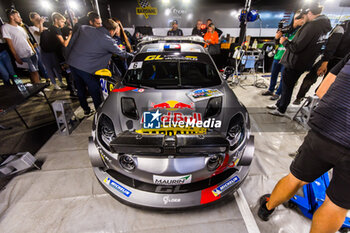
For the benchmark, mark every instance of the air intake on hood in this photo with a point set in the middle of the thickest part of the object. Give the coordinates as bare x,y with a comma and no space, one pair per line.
129,108
213,107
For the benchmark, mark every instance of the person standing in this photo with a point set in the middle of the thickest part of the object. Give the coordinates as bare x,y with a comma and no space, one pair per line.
175,31
326,146
52,44
36,30
277,67
6,68
301,53
338,45
198,30
211,37
210,21
18,42
89,51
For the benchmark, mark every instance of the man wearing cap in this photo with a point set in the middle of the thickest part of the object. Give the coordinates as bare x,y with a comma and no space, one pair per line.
175,31
301,53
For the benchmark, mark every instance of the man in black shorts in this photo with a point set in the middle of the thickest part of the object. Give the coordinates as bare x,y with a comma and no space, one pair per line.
326,146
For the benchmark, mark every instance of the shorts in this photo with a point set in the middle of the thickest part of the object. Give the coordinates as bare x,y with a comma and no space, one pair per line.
316,156
32,62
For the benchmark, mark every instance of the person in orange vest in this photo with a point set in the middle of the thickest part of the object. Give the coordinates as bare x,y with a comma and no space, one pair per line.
211,37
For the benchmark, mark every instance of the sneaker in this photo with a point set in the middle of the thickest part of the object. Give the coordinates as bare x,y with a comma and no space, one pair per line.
47,89
297,101
272,106
265,93
40,94
276,113
274,97
63,84
263,212
88,113
56,87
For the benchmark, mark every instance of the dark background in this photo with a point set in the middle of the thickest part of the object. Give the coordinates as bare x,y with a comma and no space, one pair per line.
223,12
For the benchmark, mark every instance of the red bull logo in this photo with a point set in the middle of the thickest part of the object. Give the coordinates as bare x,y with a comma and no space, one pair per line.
172,105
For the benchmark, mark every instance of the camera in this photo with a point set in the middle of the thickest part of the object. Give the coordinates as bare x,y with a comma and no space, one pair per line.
282,28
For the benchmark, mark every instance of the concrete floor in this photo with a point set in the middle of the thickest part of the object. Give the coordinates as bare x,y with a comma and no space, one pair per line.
66,197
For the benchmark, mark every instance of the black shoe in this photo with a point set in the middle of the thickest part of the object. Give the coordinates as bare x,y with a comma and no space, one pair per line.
274,97
73,94
297,101
88,113
265,93
263,212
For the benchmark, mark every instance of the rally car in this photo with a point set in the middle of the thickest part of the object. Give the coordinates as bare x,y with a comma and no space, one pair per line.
172,134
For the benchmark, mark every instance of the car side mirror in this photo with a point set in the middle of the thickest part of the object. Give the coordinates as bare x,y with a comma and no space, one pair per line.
228,71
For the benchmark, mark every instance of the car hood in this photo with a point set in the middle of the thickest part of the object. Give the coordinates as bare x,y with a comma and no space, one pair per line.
168,102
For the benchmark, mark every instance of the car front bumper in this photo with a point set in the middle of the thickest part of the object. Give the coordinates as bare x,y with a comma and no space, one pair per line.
168,197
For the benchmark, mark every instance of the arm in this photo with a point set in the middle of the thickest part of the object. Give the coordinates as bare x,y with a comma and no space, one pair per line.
63,41
13,51
112,47
337,68
301,39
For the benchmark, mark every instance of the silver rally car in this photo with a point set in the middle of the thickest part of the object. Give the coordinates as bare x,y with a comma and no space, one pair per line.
172,134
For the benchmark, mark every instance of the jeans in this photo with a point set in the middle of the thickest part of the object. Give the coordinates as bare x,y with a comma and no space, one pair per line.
290,78
6,68
276,69
83,79
52,66
42,68
32,62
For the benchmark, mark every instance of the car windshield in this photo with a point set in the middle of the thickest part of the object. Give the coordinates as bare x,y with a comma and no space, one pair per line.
172,73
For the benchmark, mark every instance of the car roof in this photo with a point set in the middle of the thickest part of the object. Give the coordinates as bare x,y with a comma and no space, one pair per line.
184,47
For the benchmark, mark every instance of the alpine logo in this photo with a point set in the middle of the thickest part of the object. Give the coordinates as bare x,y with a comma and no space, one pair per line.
172,180
167,200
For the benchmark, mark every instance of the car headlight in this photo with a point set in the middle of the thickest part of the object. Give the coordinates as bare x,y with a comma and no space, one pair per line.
127,162
214,161
236,131
105,131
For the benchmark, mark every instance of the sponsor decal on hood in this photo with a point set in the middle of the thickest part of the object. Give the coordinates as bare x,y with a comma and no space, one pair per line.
117,186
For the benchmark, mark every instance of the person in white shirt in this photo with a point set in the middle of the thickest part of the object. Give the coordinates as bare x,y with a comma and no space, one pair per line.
36,30
17,40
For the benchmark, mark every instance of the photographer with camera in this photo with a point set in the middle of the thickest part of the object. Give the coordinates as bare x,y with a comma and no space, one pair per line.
301,53
336,48
289,32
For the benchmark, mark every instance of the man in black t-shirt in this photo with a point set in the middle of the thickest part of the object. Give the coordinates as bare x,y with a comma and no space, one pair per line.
197,30
175,31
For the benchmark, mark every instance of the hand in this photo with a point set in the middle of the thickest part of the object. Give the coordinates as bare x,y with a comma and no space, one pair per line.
278,35
42,20
283,39
18,60
323,68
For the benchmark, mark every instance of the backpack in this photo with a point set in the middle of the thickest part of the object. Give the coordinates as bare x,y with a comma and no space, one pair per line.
46,41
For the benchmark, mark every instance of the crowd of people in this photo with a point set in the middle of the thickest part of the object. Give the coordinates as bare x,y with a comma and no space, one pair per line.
75,50
62,50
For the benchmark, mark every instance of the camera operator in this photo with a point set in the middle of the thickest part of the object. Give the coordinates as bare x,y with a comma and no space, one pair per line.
289,32
338,45
89,51
301,53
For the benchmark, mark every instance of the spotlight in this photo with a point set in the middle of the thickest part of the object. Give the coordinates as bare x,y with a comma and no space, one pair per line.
189,17
73,5
167,12
165,1
46,4
186,1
